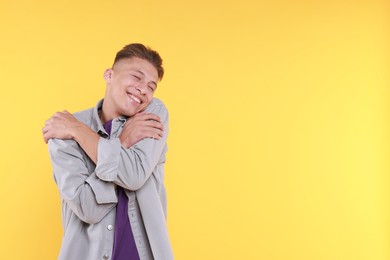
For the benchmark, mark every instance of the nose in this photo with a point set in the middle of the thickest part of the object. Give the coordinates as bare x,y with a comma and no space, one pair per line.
141,88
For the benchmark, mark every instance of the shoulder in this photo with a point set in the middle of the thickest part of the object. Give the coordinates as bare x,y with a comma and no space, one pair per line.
85,116
156,105
156,102
62,147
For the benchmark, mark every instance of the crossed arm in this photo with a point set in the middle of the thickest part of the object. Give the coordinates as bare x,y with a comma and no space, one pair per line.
127,161
63,125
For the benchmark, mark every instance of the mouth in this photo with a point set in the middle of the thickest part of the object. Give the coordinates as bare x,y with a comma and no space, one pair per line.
134,98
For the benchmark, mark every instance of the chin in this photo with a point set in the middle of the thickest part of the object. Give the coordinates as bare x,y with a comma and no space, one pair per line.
131,112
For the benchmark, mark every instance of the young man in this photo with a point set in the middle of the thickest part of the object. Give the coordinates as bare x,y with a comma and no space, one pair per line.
108,164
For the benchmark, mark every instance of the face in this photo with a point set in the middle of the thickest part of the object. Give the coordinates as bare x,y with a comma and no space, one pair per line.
130,84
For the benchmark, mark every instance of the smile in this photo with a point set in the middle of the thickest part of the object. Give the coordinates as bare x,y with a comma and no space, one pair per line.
135,98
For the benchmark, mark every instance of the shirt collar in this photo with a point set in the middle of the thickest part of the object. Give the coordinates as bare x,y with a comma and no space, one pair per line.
97,123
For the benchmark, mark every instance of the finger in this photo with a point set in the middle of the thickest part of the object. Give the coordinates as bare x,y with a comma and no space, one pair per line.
146,124
154,124
68,113
58,114
152,132
46,128
145,132
155,134
45,138
143,121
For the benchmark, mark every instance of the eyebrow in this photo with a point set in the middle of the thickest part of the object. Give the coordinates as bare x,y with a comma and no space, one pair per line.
144,75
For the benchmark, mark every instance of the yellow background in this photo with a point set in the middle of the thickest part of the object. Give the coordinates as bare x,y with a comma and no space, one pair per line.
279,118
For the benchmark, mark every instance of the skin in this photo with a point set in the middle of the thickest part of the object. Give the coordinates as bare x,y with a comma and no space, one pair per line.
130,86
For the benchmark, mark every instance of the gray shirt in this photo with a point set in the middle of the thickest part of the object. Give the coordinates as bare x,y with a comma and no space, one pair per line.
89,196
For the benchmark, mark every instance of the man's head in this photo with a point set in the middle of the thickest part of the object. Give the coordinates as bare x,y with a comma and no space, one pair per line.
143,52
131,81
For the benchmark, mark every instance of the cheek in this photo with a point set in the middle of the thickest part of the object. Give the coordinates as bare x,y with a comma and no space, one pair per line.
149,97
114,93
118,89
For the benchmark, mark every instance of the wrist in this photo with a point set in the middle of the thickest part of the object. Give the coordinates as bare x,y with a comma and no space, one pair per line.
77,131
124,141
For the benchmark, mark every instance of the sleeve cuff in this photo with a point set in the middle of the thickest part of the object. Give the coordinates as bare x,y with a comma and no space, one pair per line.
108,159
105,192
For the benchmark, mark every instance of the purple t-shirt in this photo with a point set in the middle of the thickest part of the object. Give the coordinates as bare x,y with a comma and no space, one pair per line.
124,243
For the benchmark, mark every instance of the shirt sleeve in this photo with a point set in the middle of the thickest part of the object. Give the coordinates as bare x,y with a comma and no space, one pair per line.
131,168
89,197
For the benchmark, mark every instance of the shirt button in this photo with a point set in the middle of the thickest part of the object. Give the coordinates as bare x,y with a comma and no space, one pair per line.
105,257
109,227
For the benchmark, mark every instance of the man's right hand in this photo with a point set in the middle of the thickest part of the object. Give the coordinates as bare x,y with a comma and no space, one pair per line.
140,126
61,125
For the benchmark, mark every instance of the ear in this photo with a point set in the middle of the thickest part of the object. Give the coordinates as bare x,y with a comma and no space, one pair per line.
107,75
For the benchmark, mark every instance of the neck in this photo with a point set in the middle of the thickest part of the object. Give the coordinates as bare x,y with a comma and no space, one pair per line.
105,113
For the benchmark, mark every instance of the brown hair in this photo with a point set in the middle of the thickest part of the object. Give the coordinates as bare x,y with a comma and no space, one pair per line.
143,52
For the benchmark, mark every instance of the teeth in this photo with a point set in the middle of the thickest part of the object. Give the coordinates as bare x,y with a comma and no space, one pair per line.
135,99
